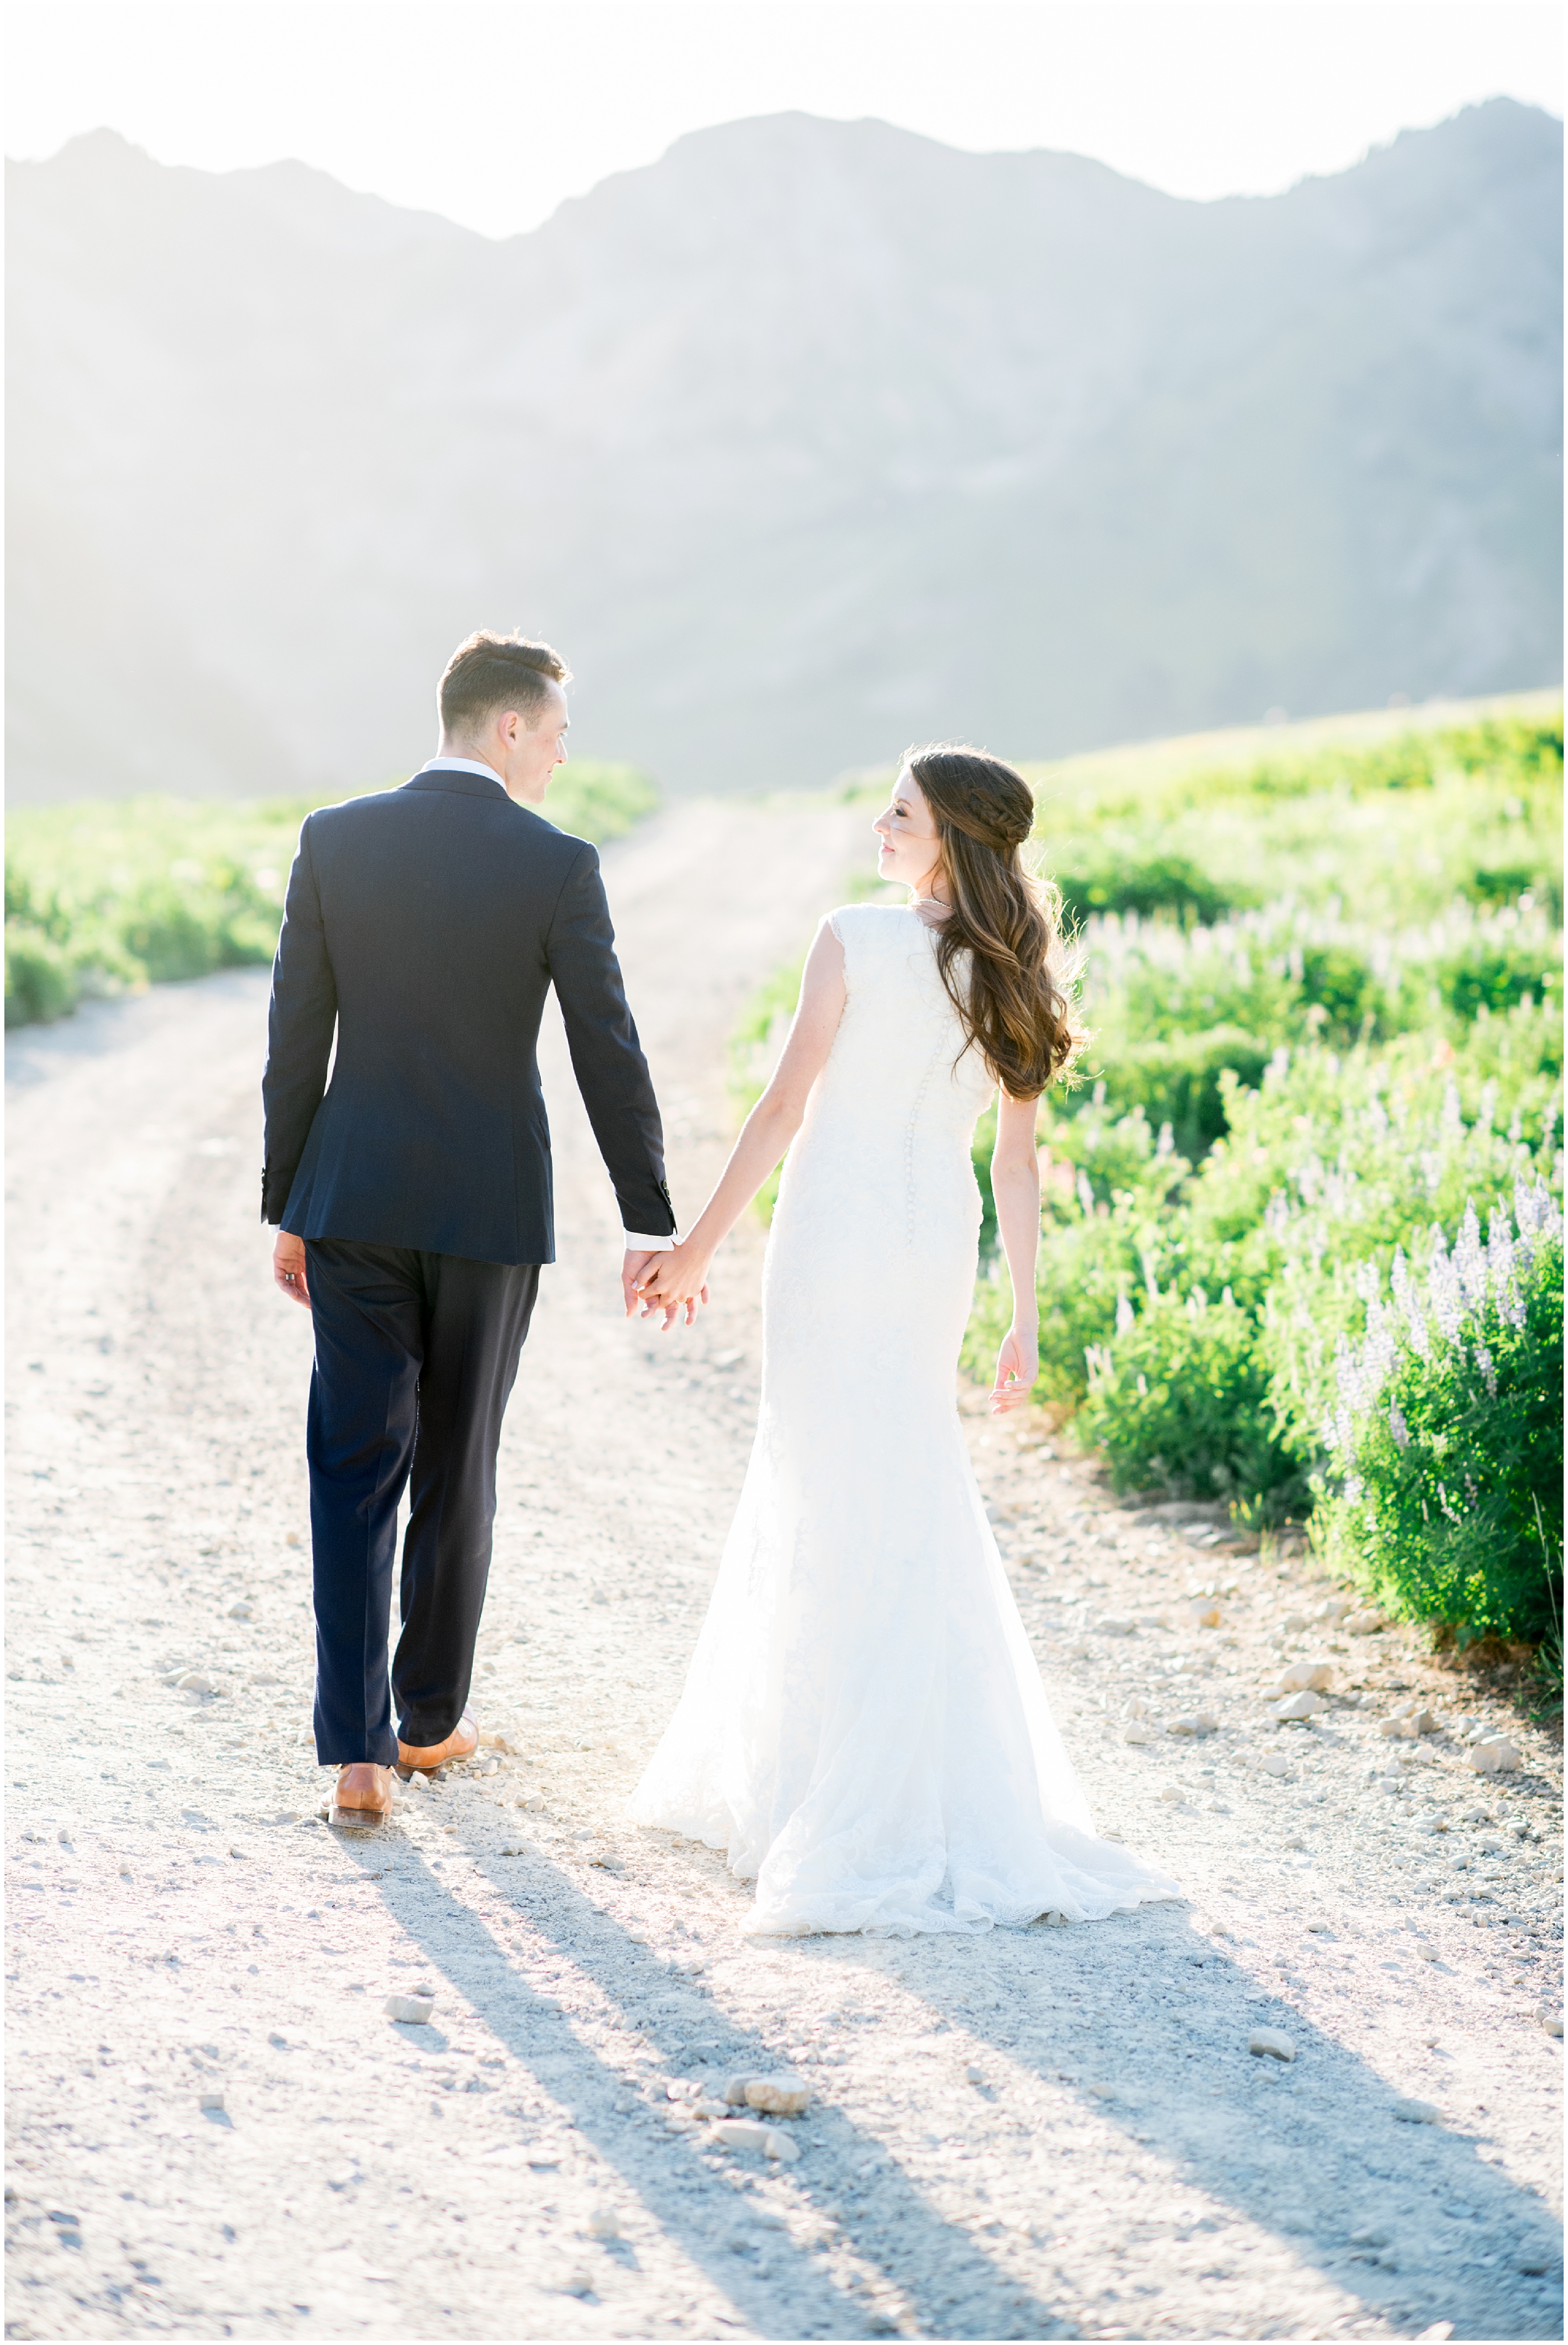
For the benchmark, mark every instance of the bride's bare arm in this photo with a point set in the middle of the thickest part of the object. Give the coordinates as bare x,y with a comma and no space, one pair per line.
680,1276
1015,1185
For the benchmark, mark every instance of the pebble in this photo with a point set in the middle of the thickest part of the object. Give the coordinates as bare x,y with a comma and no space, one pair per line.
1194,1722
1417,2112
1270,2041
413,2009
975,2075
1274,1762
1494,1758
1305,1676
213,2101
604,2223
1298,1705
1371,2235
1115,1624
1552,2021
1203,1612
779,2096
747,2133
240,1612
1137,1734
194,1681
1362,1624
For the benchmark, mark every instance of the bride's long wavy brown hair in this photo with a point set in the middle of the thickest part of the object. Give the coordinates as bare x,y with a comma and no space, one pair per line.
1014,997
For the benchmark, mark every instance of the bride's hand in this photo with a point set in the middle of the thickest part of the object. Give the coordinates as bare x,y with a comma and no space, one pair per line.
1017,1366
672,1282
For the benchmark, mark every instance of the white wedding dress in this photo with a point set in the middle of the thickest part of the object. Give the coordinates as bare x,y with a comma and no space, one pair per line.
864,1728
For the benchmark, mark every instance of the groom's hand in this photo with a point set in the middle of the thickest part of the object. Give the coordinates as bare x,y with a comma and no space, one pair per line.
634,1262
289,1267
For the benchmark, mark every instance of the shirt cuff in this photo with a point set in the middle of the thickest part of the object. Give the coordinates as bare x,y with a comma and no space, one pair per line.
637,1243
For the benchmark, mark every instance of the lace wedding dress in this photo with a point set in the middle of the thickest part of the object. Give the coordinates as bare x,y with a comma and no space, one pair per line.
864,1728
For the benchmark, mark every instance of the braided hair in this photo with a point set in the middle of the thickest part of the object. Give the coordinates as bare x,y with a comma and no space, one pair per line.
1014,1000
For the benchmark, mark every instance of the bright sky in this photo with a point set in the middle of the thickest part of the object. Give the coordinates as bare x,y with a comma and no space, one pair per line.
492,111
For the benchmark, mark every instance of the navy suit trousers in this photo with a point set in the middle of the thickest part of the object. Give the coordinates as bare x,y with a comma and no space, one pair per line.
416,1355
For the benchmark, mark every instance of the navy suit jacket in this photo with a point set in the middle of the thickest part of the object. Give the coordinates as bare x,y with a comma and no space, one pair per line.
425,927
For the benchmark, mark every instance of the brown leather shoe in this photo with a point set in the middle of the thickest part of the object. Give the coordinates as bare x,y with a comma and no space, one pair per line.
362,1801
461,1743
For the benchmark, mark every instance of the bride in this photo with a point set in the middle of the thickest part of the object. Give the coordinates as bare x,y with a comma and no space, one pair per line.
864,1728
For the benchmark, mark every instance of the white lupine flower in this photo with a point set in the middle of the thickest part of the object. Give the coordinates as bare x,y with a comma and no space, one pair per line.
1443,1289
1398,1426
1399,1281
1469,1262
1085,1194
1124,1315
1488,1373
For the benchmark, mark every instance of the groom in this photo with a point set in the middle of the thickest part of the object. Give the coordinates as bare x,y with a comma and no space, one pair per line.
424,929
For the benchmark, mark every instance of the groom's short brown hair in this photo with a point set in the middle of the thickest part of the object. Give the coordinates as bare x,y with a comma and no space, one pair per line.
489,672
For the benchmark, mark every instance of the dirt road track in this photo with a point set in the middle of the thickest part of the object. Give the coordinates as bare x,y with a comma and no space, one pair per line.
1049,2133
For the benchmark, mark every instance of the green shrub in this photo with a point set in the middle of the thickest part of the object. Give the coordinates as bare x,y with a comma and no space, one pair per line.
1332,1164
1446,1442
40,982
1388,832
1170,1011
1146,884
1180,1402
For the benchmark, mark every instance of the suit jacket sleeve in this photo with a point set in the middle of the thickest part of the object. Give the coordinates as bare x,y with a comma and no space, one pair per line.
606,1056
299,1029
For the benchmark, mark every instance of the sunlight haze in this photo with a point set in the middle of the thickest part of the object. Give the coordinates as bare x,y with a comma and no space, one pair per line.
493,116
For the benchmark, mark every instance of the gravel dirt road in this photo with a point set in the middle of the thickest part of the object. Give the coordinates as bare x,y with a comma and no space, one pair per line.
215,2130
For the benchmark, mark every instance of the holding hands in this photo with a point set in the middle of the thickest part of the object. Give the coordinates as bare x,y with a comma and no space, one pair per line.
672,1282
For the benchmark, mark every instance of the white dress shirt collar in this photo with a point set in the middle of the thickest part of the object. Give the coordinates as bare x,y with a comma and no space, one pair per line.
461,766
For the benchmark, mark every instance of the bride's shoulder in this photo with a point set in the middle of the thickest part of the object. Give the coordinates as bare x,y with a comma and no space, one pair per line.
870,922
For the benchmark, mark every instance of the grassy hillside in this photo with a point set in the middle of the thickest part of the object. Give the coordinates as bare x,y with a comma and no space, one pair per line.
106,897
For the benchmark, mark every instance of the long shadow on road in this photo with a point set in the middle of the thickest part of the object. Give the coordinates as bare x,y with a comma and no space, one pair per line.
684,2189
1312,2152
1308,2154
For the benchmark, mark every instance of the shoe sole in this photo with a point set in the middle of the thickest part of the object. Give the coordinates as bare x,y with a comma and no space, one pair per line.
407,1767
357,1819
